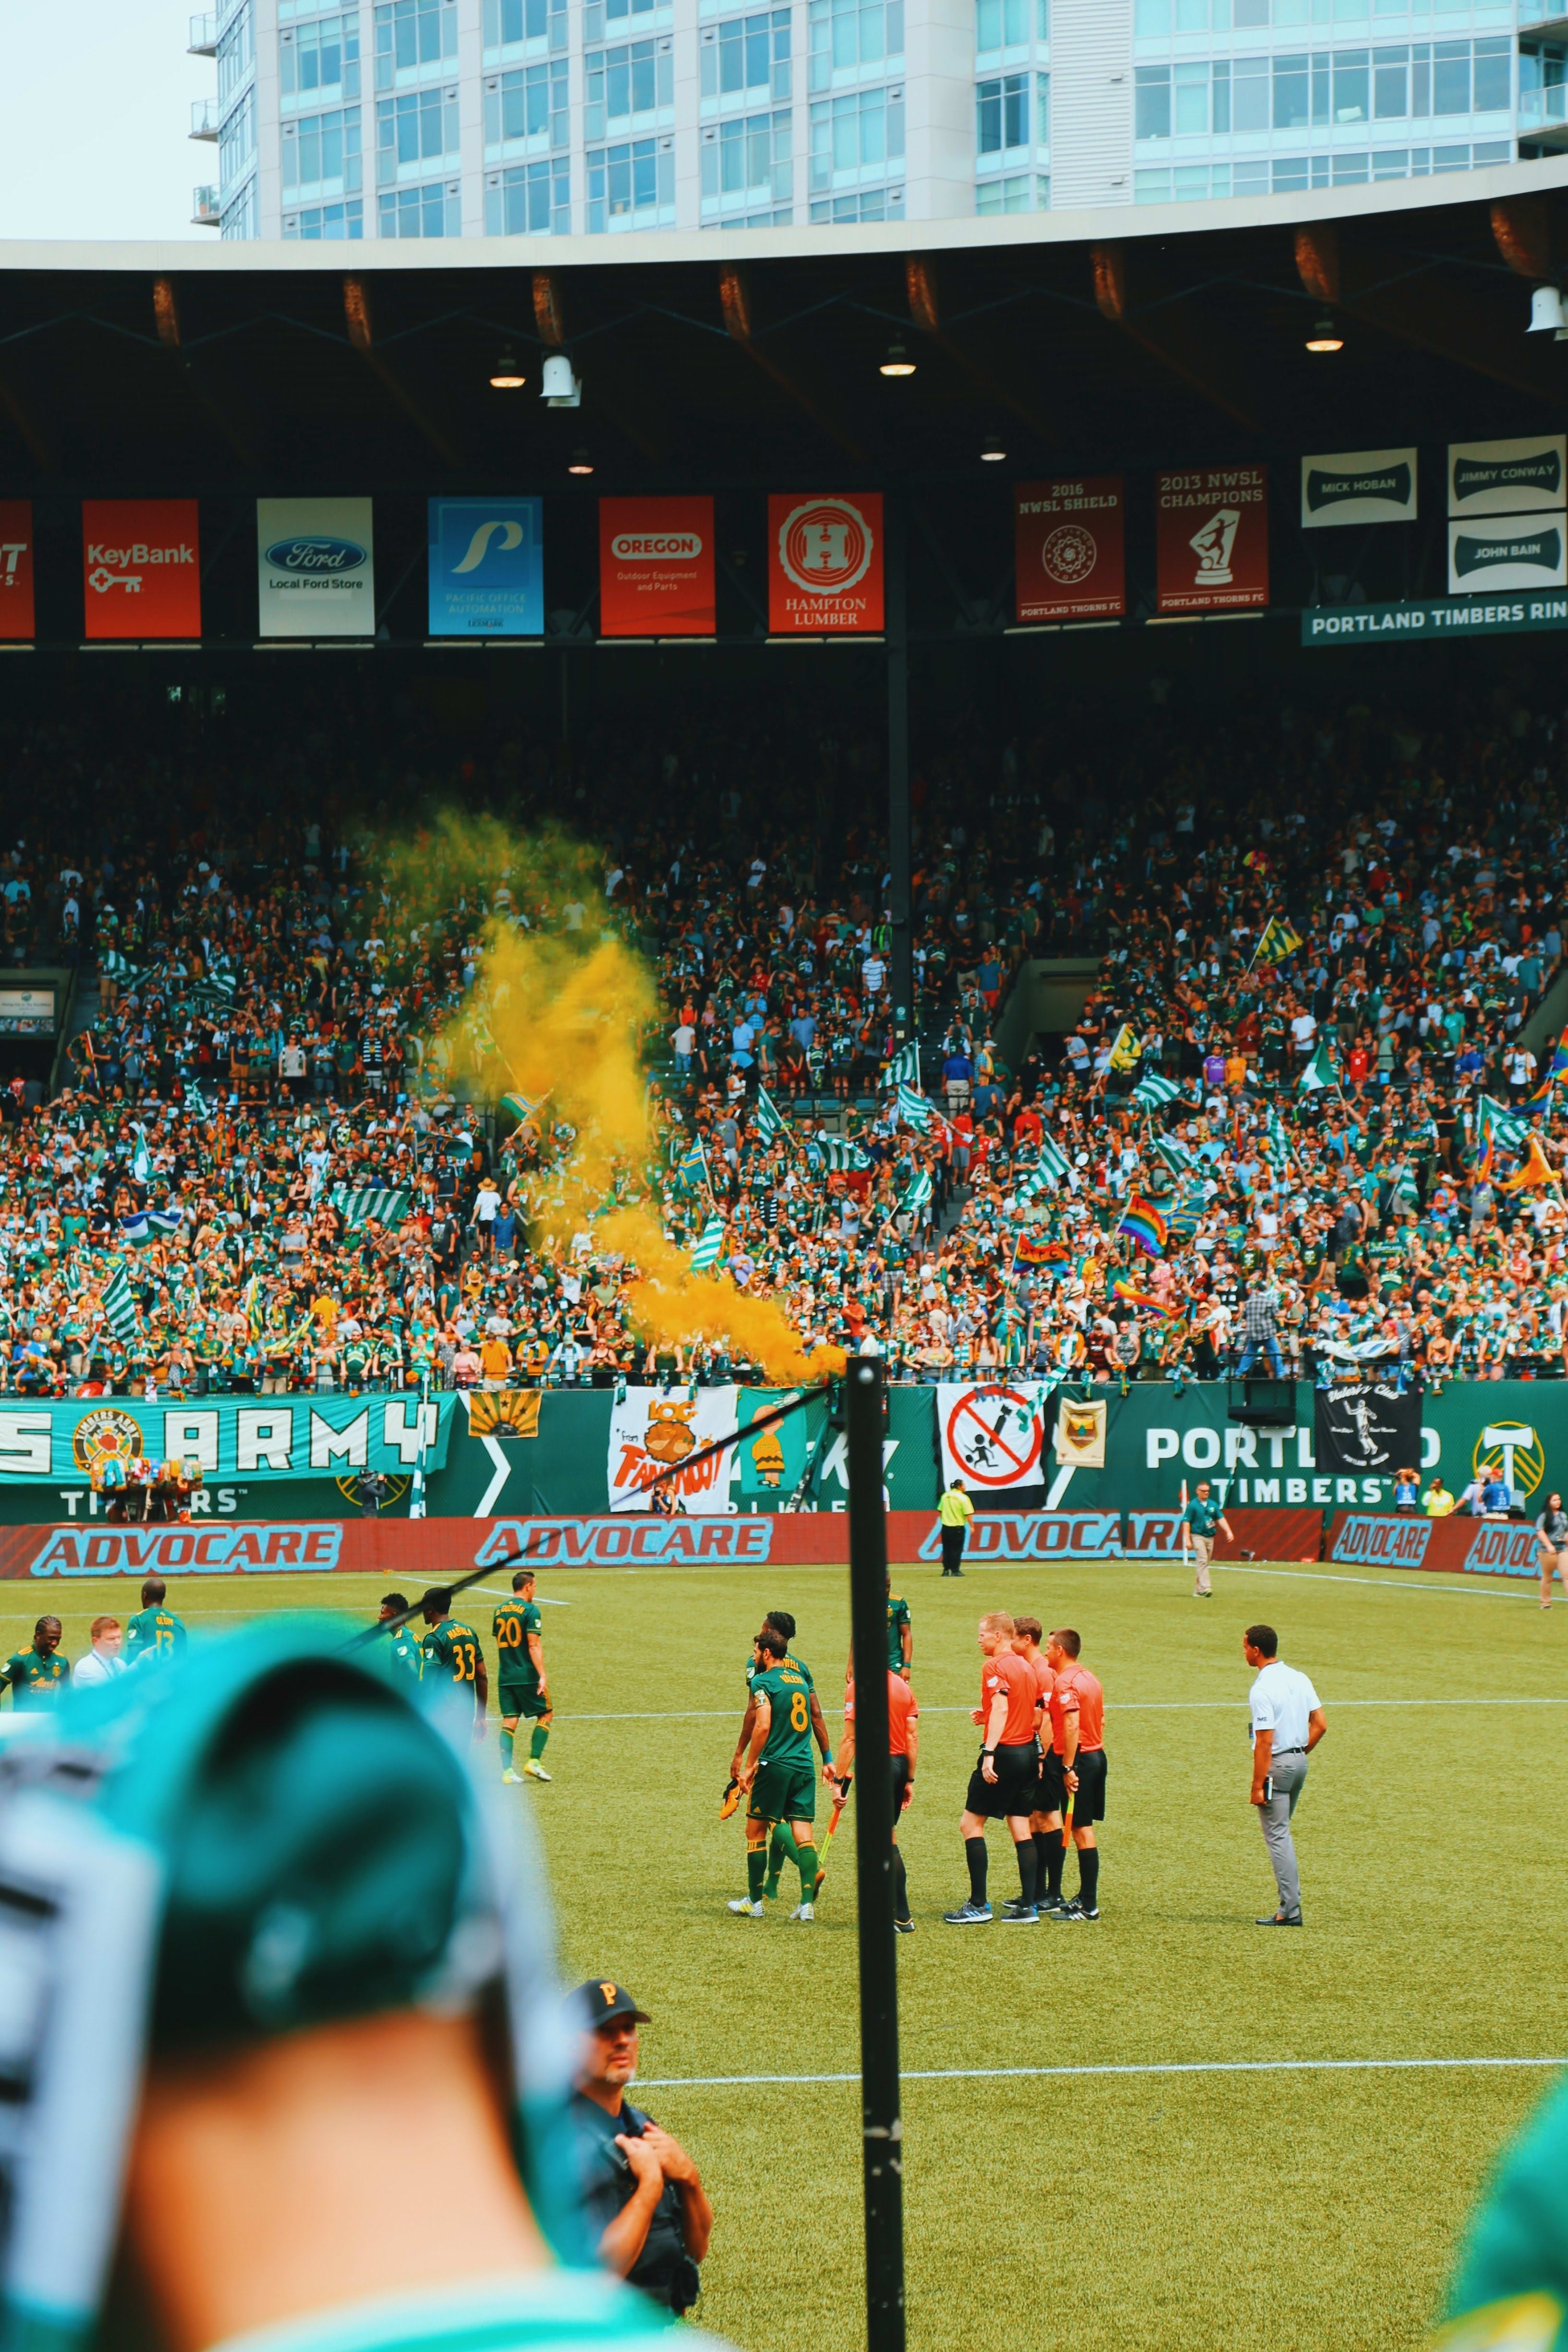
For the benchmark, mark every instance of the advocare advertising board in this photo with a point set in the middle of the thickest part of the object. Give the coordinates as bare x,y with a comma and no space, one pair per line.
487,567
656,567
1212,529
824,565
1358,486
141,569
15,570
1069,549
1507,524
315,567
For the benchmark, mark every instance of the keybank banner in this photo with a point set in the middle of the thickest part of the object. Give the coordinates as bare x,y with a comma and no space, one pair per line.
1363,486
315,567
73,1444
1419,624
487,567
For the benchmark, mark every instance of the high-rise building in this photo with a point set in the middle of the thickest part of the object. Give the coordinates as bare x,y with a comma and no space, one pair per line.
499,118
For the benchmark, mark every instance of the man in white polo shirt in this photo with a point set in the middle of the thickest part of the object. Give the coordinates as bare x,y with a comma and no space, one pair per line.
1287,1724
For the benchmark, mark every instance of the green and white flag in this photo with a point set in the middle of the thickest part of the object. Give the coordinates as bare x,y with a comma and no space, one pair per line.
1049,1168
357,1204
917,1194
1174,1153
1496,1124
1319,1073
1150,1093
769,1119
1277,1140
839,1152
904,1069
119,1307
710,1243
914,1109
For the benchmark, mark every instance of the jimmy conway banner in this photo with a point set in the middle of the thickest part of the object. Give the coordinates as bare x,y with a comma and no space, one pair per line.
315,567
71,1444
1359,486
1212,532
487,567
1068,552
1512,477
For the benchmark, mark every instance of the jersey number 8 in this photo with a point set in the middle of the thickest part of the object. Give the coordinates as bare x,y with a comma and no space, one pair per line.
799,1713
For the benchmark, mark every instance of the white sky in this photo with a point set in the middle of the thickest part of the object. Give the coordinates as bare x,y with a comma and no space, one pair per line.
95,106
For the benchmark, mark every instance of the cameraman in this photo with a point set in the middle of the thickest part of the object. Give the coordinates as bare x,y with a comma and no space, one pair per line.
643,2197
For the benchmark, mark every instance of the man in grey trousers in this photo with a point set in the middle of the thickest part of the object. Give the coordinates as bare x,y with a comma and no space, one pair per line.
1286,1724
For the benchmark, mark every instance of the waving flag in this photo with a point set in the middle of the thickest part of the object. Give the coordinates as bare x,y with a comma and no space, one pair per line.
838,1151
1174,1153
1319,1072
1142,1222
1556,1072
691,1170
1278,941
1049,1167
904,1069
1125,1048
770,1120
710,1245
917,1194
1537,1170
119,1307
1130,1295
357,1204
522,1109
1151,1092
914,1109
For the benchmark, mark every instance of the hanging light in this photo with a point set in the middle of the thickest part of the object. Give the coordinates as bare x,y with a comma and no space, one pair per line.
1546,311
1325,336
580,463
992,453
506,375
897,362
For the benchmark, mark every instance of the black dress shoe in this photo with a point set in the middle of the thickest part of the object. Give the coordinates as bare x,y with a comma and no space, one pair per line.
1280,1919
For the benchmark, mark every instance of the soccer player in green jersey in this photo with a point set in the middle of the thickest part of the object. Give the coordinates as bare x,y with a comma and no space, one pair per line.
452,1651
900,1633
520,1666
778,1775
39,1675
779,1841
155,1636
402,1642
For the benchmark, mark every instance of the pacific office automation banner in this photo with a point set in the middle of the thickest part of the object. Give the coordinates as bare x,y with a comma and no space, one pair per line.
71,1444
824,565
1507,527
1069,539
487,567
1359,486
655,568
1212,538
141,569
15,570
995,1438
316,567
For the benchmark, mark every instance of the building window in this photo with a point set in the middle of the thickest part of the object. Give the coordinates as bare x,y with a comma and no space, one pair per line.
508,24
1021,192
631,185
850,38
746,161
236,53
1009,25
236,141
241,215
319,61
867,204
529,199
435,210
631,84
529,102
413,39
600,15
1151,102
1002,110
414,131
746,56
315,220
321,154
858,134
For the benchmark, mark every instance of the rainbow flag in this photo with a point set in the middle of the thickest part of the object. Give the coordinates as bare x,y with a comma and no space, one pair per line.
1142,1222
1130,1295
1556,1072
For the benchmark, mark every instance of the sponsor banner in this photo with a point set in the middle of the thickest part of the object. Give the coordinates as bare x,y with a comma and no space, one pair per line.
1365,1427
487,567
1069,549
315,567
1460,1546
1383,1543
994,1438
1517,551
825,564
1359,486
142,571
221,1549
655,568
1034,1535
1415,624
15,568
1512,477
26,1012
72,1443
1154,1535
1212,538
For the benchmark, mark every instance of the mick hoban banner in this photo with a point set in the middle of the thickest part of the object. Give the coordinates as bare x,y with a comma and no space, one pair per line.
72,1444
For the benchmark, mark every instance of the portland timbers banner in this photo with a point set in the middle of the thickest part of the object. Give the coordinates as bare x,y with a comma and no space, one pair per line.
1367,1429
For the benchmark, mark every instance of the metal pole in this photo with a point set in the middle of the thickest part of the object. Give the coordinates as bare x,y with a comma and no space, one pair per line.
896,618
882,2124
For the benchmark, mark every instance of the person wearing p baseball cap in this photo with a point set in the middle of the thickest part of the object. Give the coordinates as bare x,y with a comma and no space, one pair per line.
642,2196
271,1955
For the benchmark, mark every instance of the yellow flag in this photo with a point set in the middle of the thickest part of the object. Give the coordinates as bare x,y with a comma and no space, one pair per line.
1537,1170
1126,1049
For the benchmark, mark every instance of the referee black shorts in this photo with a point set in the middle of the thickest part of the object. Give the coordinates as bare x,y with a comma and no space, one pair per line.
1013,1789
901,1765
1089,1804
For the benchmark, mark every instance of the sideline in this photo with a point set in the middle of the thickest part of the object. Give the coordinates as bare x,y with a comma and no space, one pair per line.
1010,2073
1120,1707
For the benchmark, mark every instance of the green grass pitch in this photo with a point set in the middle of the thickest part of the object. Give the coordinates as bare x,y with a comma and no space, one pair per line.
1315,2209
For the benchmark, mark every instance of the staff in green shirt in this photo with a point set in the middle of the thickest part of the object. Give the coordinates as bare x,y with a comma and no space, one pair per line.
1199,1520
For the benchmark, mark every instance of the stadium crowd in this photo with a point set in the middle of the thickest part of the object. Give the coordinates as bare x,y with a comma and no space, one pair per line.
1300,1080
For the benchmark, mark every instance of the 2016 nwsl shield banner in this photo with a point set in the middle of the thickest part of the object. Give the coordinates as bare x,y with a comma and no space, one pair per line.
824,565
73,1444
1069,549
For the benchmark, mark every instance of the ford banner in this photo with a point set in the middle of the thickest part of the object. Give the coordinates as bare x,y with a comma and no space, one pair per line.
315,568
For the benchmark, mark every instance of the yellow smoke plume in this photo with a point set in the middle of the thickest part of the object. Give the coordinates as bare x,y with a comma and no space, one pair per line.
674,1304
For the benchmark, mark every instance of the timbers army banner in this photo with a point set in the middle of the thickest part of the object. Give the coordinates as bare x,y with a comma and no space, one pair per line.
70,1445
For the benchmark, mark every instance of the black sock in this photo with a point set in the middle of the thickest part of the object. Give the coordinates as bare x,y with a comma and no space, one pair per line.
901,1887
975,1852
1042,1865
1088,1876
1052,1841
1025,1851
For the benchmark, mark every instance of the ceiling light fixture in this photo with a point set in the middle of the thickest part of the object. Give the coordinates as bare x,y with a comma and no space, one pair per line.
897,362
506,375
993,453
1325,336
1546,312
580,462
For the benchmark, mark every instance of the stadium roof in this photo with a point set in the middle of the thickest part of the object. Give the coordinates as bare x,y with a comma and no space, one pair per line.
1143,336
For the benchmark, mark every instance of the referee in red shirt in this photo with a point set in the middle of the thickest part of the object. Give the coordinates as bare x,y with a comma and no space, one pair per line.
903,1742
1075,1763
1005,1782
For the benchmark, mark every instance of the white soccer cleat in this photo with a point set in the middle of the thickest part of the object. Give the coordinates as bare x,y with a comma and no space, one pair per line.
512,1780
805,1911
744,1908
534,1770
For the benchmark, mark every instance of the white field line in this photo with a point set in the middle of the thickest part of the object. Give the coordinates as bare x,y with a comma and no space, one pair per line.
1191,2067
1125,1707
